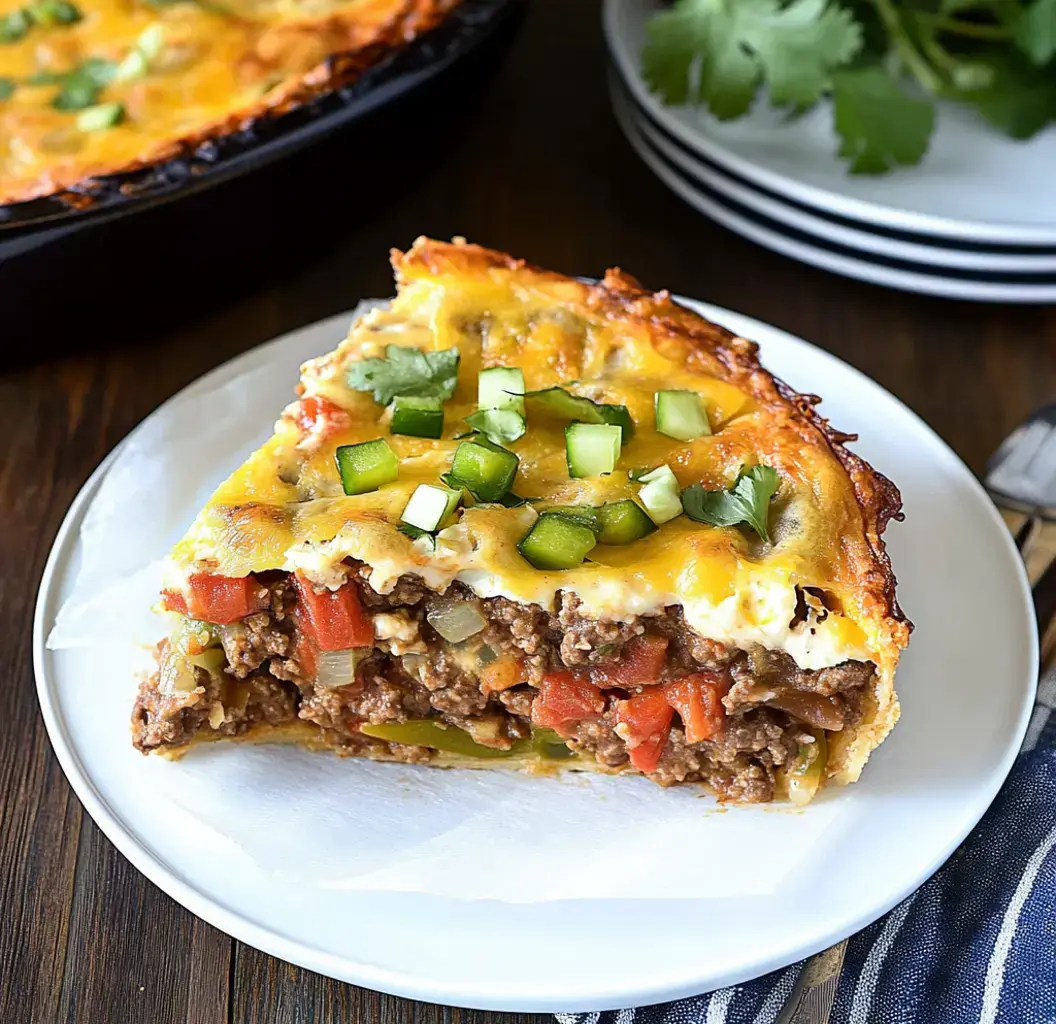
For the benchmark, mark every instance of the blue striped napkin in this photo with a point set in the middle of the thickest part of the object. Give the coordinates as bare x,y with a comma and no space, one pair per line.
975,943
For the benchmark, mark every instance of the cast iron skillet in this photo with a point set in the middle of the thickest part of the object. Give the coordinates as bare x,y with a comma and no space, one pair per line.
206,234
470,27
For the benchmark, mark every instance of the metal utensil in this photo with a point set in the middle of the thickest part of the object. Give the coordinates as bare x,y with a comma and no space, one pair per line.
815,992
1020,476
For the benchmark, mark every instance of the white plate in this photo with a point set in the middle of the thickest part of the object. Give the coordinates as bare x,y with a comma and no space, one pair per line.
853,236
824,252
974,184
966,686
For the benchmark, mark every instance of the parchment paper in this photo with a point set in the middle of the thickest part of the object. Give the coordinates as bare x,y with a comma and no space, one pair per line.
325,822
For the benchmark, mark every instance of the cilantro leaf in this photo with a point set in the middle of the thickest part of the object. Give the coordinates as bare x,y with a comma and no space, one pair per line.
406,371
801,45
747,501
699,32
7,88
880,125
500,426
54,12
14,26
793,46
1035,31
1020,102
80,87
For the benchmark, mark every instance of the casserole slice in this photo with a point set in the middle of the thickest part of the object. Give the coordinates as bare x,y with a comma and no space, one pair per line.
515,520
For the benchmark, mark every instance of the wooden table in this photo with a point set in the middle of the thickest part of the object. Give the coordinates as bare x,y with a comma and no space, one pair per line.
536,166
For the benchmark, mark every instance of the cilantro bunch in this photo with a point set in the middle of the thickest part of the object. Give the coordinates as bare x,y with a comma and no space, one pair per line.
883,63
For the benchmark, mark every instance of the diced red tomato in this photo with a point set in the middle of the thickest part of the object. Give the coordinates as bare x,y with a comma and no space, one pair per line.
321,417
174,601
565,697
698,701
640,663
220,600
644,722
334,619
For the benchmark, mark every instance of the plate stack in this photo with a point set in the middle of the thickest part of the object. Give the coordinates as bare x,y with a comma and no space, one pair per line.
976,220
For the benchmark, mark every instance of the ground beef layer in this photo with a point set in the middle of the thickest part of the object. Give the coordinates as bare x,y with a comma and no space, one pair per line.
414,674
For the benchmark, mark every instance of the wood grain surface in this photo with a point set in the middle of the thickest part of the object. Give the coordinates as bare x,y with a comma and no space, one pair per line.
531,161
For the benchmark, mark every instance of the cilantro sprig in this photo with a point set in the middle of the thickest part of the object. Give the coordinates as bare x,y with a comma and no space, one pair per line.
883,64
406,371
746,501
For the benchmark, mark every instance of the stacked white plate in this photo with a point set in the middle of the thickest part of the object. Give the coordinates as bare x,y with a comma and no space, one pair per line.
976,220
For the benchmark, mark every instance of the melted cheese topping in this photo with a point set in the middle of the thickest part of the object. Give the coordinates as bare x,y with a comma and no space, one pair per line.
216,61
285,508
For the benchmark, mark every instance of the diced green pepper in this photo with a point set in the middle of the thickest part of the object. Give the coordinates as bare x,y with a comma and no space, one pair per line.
367,466
623,522
556,542
592,449
485,469
681,415
559,402
429,733
585,515
547,744
417,417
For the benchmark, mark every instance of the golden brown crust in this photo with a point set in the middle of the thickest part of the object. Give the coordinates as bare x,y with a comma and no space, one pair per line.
363,38
829,513
619,296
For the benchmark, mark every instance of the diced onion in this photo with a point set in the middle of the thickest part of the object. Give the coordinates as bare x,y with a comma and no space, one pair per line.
457,621
212,660
334,669
175,675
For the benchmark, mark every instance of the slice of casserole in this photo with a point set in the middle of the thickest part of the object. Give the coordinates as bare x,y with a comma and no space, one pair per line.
520,521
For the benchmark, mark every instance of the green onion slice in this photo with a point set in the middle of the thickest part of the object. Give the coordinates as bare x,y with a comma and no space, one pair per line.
660,494
100,117
429,506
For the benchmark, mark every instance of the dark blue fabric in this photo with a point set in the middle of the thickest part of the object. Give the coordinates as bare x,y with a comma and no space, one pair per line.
976,944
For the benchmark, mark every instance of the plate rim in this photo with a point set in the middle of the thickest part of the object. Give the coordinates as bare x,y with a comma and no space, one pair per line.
405,983
994,232
852,265
858,236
